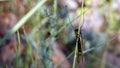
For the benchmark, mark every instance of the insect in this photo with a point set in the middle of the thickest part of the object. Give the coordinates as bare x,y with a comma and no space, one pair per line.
79,41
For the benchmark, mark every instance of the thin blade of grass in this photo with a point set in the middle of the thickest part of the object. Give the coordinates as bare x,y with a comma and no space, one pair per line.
22,21
76,47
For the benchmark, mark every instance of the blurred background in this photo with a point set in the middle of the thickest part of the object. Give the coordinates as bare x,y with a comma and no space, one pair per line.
40,33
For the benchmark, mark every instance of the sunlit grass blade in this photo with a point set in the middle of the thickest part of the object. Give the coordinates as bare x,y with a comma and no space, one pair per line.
22,21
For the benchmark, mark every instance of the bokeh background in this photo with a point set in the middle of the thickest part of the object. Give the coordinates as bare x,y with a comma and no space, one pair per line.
40,33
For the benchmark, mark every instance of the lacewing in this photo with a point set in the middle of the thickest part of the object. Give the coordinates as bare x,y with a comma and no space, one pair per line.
79,40
80,44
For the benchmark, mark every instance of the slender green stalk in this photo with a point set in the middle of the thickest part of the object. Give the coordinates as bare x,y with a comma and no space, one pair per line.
75,54
55,6
29,50
76,47
19,42
17,49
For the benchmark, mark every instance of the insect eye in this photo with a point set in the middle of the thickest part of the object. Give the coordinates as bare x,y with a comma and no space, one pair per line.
76,30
